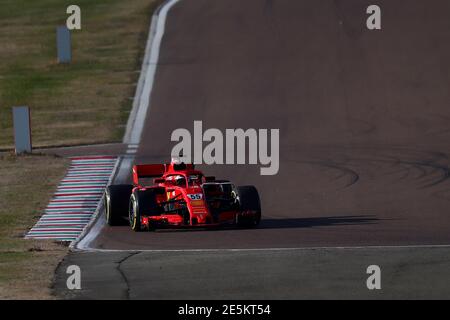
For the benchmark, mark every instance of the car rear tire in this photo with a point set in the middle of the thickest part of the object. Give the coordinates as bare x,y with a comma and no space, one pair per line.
116,199
249,201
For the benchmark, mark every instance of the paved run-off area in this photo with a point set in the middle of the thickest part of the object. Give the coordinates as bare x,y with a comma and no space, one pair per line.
407,273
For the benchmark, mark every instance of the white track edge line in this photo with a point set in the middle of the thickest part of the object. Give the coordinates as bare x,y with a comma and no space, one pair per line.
139,110
88,227
144,89
272,249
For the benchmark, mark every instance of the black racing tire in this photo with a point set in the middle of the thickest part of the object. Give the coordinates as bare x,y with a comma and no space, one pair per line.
249,200
116,199
141,200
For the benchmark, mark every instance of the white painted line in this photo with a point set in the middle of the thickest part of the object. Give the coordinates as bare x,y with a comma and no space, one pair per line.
88,163
78,222
125,168
137,117
93,159
108,167
272,249
66,194
69,202
88,174
90,231
76,171
73,188
141,103
78,179
89,197
83,182
72,206
65,220
64,208
71,215
92,166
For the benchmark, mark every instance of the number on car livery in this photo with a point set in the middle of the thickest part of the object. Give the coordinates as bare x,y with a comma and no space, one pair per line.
197,196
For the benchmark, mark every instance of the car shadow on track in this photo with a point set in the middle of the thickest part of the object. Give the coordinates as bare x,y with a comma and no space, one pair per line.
317,222
291,223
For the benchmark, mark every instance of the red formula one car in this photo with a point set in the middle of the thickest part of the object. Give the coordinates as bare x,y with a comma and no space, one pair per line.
180,196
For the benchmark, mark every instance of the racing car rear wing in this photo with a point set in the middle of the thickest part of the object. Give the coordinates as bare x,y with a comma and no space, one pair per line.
147,171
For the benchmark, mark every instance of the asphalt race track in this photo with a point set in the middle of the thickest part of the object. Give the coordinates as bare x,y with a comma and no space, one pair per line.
364,154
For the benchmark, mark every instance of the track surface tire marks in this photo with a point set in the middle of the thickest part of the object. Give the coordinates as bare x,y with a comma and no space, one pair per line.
363,118
364,157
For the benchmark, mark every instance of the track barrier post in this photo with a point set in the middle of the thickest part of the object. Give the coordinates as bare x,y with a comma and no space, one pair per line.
63,44
22,129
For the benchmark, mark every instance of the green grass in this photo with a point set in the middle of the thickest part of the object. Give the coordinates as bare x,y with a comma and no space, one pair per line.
27,183
87,101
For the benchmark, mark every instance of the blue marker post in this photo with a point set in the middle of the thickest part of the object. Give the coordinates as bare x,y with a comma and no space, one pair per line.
63,44
22,129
